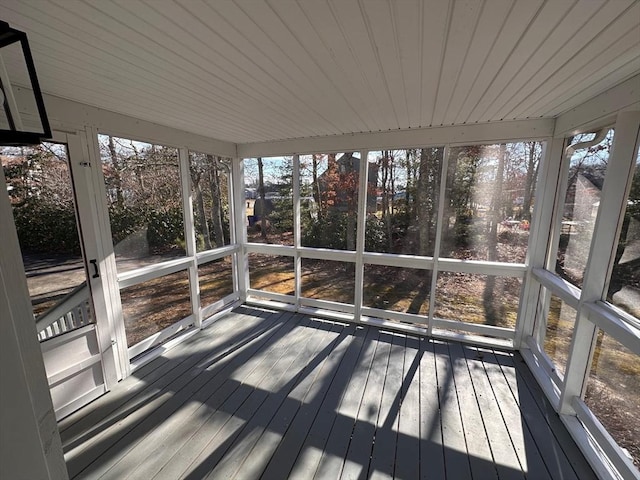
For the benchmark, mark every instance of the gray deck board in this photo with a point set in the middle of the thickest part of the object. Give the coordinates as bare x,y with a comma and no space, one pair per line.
276,395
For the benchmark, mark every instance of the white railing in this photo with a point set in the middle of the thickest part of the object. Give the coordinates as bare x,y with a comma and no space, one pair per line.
71,312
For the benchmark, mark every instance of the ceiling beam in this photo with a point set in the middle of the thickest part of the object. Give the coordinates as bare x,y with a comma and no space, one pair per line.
460,134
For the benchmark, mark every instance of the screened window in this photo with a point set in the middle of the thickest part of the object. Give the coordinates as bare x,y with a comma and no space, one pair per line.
624,285
329,200
489,200
144,198
402,200
587,169
210,193
269,200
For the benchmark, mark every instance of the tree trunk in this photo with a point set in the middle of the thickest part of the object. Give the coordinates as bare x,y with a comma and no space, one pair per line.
532,173
204,226
117,180
422,203
261,195
316,186
496,204
216,203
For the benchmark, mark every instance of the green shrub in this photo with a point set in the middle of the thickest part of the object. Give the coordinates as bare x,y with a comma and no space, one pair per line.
165,230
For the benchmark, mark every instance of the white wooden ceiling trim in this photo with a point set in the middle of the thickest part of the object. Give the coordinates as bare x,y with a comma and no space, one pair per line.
435,25
318,52
495,132
521,14
603,106
550,17
241,88
626,71
571,24
259,71
599,68
380,18
483,42
295,84
593,39
85,51
460,33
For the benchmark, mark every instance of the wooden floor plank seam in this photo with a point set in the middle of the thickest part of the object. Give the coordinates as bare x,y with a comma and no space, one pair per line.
273,395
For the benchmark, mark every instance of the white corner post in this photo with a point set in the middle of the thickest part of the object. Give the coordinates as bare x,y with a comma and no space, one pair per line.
603,245
240,219
30,445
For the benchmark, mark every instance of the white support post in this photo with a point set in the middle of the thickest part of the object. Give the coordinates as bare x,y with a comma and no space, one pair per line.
539,236
189,235
436,247
240,220
29,437
603,245
297,230
363,179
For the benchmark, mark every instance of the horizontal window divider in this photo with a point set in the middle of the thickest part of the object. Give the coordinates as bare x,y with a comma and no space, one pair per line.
608,446
569,293
204,257
149,355
270,249
397,316
500,343
330,314
610,321
139,275
210,318
544,361
160,336
336,306
214,307
417,329
271,304
494,331
550,389
482,267
327,254
393,260
281,297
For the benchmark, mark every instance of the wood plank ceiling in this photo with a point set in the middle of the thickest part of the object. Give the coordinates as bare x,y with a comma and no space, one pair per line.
252,70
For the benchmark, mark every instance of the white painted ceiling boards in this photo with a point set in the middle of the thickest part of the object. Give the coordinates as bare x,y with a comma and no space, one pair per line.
253,71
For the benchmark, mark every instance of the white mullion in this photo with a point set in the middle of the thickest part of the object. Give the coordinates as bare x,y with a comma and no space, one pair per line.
546,184
297,231
436,247
361,218
240,215
603,245
233,231
190,234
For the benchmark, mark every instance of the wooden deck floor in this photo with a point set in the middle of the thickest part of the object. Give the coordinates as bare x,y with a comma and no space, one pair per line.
276,395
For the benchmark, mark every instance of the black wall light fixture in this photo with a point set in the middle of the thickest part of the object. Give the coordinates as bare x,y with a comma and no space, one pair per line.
23,118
